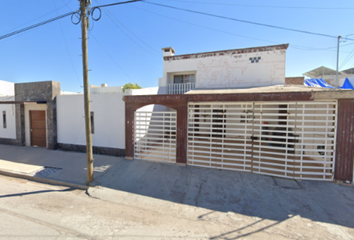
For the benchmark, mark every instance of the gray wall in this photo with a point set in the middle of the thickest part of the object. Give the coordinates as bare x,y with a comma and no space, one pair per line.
35,92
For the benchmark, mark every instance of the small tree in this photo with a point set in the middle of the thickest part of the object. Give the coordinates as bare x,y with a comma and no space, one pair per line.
131,86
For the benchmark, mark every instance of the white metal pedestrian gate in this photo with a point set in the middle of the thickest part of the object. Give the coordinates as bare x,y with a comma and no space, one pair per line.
286,139
155,136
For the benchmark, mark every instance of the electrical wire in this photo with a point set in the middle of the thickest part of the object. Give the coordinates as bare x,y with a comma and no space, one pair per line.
67,48
108,53
113,4
243,21
350,55
298,47
265,6
57,18
130,32
36,25
65,4
110,56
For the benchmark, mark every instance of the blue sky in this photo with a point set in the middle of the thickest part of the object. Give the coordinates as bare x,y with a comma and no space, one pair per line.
125,44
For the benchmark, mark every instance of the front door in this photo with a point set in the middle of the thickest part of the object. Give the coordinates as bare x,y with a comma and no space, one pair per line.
38,128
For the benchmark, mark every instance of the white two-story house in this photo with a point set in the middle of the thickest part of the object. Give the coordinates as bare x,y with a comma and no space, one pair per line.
233,110
227,69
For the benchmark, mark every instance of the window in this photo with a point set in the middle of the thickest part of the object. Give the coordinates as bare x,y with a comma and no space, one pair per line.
92,123
184,78
4,119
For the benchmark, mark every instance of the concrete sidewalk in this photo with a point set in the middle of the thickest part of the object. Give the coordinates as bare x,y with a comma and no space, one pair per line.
69,167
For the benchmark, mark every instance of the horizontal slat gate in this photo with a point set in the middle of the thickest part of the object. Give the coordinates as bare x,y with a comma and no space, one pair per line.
285,139
219,136
155,136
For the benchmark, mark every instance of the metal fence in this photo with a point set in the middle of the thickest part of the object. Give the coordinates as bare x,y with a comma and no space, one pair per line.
286,139
155,136
180,88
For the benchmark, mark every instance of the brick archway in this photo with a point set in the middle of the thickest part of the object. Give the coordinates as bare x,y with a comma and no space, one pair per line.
177,102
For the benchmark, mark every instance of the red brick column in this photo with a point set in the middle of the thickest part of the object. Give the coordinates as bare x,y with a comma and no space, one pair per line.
129,130
345,139
181,144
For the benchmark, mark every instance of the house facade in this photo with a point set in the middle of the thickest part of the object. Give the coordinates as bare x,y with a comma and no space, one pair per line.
40,114
235,68
226,110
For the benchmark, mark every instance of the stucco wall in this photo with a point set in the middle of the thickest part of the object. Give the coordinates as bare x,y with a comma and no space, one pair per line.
230,70
109,117
10,131
7,88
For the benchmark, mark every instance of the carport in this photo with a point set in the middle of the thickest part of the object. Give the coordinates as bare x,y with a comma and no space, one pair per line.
290,132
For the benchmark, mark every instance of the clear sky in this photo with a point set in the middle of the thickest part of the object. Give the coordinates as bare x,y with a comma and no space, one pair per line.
125,44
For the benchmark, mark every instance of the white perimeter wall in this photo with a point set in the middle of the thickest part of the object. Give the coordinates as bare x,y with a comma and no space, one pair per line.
230,70
109,118
10,130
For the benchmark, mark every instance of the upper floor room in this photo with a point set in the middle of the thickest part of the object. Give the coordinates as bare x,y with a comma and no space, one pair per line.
227,69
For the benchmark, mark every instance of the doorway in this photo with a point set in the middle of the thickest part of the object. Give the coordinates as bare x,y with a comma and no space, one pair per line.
38,132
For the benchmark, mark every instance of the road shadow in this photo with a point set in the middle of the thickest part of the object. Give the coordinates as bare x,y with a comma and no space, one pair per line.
36,192
244,193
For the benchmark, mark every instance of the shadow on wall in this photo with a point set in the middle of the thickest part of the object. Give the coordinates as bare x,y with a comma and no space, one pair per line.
226,191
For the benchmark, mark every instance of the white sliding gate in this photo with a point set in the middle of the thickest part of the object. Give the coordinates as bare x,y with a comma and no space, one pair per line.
286,139
155,136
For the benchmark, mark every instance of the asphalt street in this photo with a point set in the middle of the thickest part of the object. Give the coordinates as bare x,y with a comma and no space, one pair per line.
30,210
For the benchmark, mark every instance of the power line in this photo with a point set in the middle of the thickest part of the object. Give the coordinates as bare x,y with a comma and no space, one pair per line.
66,45
110,56
110,14
57,18
35,25
244,21
56,10
113,4
350,55
266,6
298,47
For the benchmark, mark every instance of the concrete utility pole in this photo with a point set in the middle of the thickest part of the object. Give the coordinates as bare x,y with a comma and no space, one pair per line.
84,26
337,84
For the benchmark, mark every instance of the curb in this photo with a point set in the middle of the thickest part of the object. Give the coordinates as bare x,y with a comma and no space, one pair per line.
44,180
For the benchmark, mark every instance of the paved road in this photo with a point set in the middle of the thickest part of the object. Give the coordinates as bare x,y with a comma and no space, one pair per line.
31,210
247,194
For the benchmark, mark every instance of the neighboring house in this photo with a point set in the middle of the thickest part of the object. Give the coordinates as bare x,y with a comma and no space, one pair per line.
7,112
40,114
329,75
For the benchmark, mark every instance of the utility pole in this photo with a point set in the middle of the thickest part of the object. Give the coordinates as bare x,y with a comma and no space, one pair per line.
84,26
337,85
